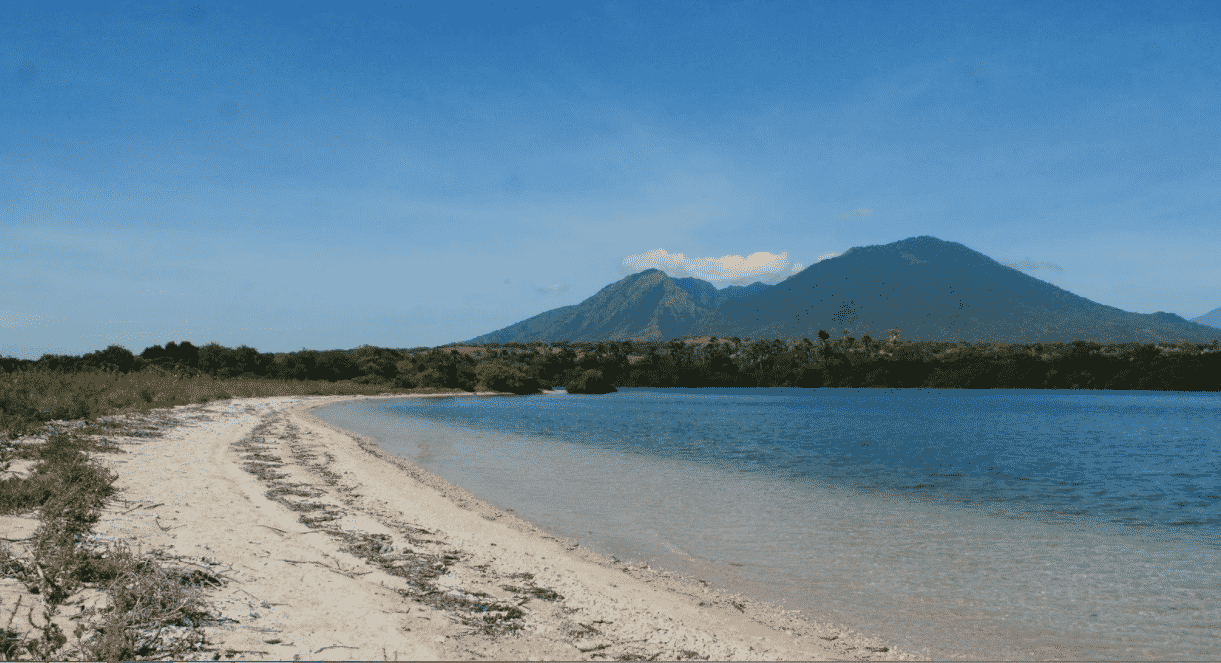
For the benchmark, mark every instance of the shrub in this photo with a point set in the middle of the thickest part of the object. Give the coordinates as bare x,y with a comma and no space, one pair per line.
215,359
145,599
588,382
335,365
379,362
497,376
113,358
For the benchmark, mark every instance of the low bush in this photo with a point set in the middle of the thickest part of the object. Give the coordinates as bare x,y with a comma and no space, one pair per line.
153,611
30,399
497,376
588,382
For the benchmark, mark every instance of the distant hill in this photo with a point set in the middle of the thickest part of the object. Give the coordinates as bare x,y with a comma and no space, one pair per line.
926,287
648,305
933,289
1212,318
740,291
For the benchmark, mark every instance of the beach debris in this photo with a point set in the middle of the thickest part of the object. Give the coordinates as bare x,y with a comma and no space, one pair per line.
429,578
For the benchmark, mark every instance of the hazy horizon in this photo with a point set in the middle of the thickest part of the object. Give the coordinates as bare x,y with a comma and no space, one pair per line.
305,174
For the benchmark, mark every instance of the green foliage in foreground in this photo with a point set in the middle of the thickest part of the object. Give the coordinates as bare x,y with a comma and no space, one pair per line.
64,484
67,490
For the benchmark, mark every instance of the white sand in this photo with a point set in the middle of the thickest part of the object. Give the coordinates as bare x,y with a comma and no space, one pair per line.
187,493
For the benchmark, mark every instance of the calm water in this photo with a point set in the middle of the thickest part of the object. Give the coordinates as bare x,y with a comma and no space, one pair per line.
979,524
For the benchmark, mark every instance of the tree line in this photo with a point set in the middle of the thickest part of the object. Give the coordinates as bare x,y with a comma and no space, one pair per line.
372,364
849,362
704,362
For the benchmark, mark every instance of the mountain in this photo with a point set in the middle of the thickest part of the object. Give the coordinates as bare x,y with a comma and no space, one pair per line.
648,305
740,291
934,289
1212,318
924,286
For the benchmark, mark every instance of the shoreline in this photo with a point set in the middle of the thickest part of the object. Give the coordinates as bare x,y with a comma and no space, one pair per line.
333,548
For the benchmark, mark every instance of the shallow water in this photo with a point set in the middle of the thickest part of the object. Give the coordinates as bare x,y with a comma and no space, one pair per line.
1011,524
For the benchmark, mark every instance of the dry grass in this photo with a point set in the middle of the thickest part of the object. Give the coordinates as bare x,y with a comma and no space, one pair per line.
152,611
30,399
419,568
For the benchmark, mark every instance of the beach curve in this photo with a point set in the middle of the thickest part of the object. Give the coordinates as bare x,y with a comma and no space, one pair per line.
332,548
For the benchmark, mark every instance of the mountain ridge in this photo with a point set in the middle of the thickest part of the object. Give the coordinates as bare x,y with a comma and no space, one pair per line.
927,287
1212,318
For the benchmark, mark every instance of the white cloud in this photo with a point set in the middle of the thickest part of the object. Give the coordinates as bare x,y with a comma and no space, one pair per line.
826,255
562,287
759,266
1030,265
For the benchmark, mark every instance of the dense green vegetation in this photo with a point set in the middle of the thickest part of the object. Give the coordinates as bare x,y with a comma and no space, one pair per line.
68,387
845,362
184,359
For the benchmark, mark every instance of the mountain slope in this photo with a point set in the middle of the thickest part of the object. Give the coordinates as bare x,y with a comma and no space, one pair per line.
924,286
933,289
648,305
1212,318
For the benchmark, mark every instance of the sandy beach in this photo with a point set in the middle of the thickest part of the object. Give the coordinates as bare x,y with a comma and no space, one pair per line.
330,548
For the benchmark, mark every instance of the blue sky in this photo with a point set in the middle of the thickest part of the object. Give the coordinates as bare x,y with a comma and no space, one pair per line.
326,175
